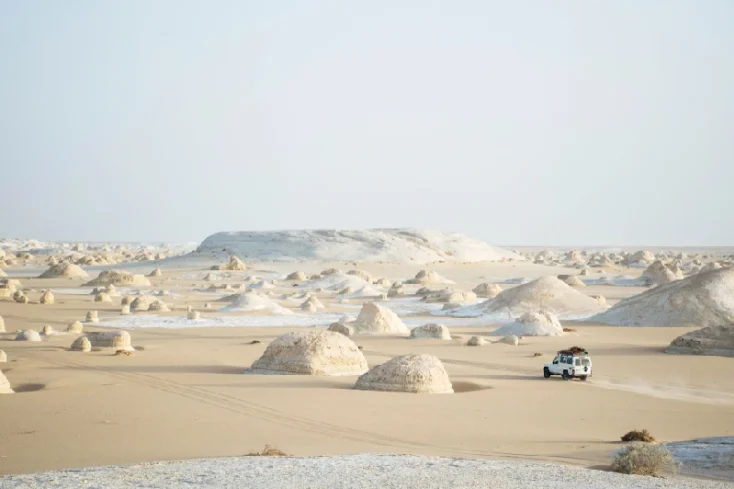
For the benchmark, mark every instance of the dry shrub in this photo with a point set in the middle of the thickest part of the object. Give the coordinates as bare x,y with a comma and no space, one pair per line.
269,451
537,354
635,435
645,459
569,330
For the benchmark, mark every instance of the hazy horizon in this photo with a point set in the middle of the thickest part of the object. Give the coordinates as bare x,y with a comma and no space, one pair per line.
521,122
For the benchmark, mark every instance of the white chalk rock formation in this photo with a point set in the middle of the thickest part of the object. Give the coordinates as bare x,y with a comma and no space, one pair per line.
28,335
312,304
487,291
102,297
114,340
68,270
657,273
2,325
193,315
532,324
311,352
362,274
574,281
76,327
372,245
158,306
476,341
125,310
297,276
156,273
92,317
142,303
235,264
375,318
711,340
47,330
510,340
437,331
118,278
544,294
3,357
704,299
81,344
20,298
5,385
342,328
427,277
423,374
253,302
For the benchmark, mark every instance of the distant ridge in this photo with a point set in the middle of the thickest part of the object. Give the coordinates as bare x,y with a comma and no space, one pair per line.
398,245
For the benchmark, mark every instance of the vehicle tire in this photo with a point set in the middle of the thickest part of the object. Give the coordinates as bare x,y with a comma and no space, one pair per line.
582,377
546,373
565,375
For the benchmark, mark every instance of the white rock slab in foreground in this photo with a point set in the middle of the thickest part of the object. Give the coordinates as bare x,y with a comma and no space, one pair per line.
353,471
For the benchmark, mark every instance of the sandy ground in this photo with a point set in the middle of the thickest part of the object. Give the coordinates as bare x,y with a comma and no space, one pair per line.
183,394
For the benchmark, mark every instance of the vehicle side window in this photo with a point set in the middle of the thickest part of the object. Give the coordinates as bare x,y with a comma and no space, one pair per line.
569,360
556,360
563,359
578,362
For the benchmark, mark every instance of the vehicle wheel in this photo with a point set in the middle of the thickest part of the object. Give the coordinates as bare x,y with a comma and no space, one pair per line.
565,375
546,372
582,377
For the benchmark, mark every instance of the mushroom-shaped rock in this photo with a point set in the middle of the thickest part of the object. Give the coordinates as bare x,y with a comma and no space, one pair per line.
28,335
156,273
21,298
297,276
125,310
487,291
81,344
47,330
711,340
68,270
193,315
476,341
376,318
75,327
3,357
437,331
311,352
532,324
423,374
5,385
92,317
115,340
118,277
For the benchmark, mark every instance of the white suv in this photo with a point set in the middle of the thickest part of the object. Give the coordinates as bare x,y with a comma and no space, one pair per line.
574,362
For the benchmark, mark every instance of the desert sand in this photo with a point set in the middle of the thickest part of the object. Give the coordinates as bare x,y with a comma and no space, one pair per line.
183,393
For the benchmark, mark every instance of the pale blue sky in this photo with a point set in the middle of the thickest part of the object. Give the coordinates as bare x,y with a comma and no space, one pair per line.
519,122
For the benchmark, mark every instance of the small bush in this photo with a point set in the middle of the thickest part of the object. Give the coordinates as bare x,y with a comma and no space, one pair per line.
635,435
269,451
569,330
645,459
537,354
